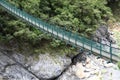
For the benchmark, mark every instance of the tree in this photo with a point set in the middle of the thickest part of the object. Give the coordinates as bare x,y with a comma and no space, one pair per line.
79,16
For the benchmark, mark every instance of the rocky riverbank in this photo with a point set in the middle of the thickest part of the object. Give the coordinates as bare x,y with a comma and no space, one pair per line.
16,66
21,67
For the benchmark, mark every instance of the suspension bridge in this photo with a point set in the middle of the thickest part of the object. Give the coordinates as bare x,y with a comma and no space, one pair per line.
71,38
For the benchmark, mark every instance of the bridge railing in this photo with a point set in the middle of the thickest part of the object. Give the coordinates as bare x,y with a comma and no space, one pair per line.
56,31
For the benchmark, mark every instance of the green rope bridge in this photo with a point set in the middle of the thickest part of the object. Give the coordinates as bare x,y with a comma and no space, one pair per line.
69,37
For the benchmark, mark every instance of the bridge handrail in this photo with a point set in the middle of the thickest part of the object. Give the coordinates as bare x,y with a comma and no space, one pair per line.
58,30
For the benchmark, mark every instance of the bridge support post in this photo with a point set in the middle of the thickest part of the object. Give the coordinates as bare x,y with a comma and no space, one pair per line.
91,48
76,39
69,36
57,33
110,52
100,48
100,56
52,31
63,33
83,43
63,36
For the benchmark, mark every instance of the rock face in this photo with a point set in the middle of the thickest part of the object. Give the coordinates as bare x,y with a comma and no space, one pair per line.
48,66
95,69
75,72
55,67
69,74
44,66
103,35
31,67
9,70
80,57
18,73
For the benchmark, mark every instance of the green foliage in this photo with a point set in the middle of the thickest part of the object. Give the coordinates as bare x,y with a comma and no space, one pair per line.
80,16
115,6
117,37
19,30
56,43
118,65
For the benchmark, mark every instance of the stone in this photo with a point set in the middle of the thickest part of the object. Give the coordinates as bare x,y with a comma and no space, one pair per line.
91,65
69,74
23,59
110,39
112,73
100,61
82,75
108,65
4,61
103,30
80,57
88,60
48,66
94,78
103,35
45,66
80,71
1,78
103,71
9,70
75,72
93,72
18,73
88,65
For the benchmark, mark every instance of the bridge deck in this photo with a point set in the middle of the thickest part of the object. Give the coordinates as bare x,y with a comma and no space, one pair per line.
62,34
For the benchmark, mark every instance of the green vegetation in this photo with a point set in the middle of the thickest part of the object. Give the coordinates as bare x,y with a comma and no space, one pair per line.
117,35
118,65
79,16
115,7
